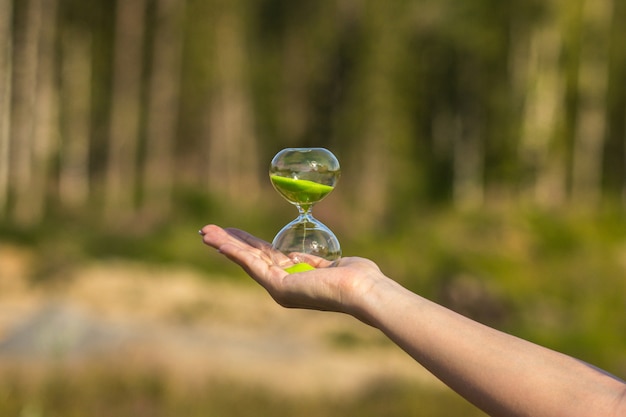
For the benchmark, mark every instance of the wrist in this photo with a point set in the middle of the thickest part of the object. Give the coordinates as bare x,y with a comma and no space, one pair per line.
376,298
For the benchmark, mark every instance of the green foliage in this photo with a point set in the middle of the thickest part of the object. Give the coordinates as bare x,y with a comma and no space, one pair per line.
401,91
63,241
552,277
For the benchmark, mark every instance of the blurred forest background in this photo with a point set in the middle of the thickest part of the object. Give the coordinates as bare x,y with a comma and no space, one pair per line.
482,143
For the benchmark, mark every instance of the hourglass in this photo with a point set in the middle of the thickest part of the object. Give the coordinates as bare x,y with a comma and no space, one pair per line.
304,176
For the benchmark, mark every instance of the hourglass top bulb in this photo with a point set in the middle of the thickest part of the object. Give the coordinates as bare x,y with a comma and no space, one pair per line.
304,176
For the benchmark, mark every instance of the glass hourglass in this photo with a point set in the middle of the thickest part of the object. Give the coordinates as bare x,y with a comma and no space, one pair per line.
304,176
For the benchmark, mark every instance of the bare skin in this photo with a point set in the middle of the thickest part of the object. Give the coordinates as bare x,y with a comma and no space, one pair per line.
499,373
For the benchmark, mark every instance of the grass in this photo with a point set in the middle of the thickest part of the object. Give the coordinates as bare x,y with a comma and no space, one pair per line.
100,392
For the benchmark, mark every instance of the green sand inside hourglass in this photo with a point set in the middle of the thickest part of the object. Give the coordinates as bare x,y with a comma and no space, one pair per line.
302,192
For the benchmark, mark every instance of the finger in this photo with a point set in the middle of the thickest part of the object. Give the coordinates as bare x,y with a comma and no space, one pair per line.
218,237
266,248
259,267
247,238
214,236
251,261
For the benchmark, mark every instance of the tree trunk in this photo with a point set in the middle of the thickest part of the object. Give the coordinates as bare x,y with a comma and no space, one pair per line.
6,42
379,154
468,186
540,154
591,122
615,150
121,174
232,148
25,109
294,112
163,106
469,141
45,133
74,156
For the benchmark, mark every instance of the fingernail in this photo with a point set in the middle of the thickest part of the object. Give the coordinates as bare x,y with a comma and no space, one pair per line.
200,232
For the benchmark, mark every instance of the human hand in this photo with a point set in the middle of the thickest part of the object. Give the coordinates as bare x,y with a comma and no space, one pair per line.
333,286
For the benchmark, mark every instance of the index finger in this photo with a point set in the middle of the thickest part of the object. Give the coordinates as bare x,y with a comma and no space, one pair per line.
218,237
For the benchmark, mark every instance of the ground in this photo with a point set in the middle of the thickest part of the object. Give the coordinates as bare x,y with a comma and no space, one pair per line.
187,324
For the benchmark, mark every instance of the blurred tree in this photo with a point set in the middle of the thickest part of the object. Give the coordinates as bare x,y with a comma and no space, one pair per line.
26,32
371,152
541,157
425,101
76,61
6,50
163,106
34,108
125,129
615,149
592,89
380,147
232,160
46,122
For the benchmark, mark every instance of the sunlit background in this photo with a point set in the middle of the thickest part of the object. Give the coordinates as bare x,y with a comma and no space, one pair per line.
483,153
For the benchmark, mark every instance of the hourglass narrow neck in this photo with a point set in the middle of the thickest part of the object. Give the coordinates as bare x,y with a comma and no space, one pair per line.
304,210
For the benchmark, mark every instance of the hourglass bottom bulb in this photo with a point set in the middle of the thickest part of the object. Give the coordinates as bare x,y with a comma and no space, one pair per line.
309,237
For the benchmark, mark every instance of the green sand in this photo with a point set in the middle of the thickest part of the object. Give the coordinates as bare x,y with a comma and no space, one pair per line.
299,268
300,191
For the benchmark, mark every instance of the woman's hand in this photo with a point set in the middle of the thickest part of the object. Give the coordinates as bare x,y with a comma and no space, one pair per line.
333,286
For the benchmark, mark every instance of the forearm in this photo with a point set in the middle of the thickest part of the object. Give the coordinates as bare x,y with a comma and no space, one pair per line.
502,374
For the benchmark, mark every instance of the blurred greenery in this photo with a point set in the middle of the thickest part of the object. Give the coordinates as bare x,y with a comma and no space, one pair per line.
554,277
144,393
483,152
